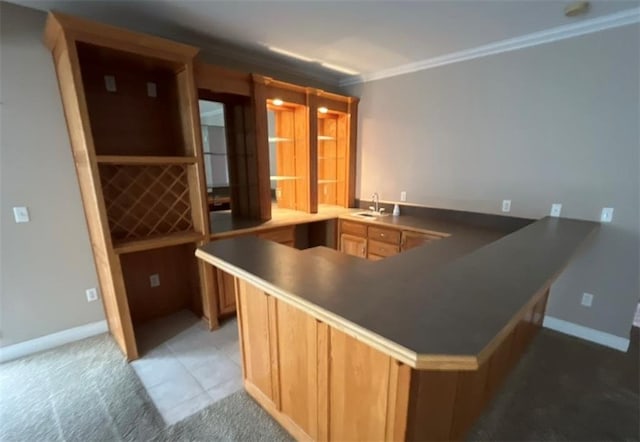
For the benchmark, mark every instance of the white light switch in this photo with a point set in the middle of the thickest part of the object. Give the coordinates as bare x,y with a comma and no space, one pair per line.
154,280
607,215
556,208
506,205
403,196
21,214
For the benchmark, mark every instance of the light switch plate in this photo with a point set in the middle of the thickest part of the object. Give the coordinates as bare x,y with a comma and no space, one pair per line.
506,205
587,299
21,214
154,280
556,208
403,196
607,215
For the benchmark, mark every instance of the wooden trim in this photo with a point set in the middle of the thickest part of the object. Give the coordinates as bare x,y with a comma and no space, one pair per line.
398,402
143,160
312,108
324,352
259,105
96,33
353,157
174,239
221,80
272,315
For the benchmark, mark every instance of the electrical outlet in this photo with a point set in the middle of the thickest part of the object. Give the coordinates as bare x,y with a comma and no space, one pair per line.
152,90
21,214
403,196
556,208
506,205
587,299
154,280
110,83
607,215
92,294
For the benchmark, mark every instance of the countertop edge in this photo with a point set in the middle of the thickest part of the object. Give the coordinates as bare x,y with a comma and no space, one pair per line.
388,347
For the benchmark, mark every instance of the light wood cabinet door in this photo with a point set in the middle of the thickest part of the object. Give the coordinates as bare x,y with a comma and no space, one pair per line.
353,245
412,240
226,285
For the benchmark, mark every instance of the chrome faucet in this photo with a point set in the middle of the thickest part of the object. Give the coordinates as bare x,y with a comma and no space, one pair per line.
375,199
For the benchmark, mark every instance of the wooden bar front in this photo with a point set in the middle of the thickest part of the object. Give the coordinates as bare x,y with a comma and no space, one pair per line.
321,383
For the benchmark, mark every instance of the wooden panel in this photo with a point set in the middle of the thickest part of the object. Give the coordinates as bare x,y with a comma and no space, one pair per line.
412,240
353,142
353,245
226,285
499,365
398,407
281,235
175,266
431,405
357,229
218,79
358,387
323,380
382,248
255,338
390,236
372,257
298,366
261,131
470,400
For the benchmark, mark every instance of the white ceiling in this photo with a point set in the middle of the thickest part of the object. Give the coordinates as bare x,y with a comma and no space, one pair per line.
364,36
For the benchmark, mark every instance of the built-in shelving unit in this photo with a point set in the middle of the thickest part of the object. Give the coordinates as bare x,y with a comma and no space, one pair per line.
333,148
132,115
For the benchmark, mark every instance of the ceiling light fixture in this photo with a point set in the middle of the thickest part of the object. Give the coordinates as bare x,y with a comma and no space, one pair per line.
339,68
576,8
277,102
289,53
323,110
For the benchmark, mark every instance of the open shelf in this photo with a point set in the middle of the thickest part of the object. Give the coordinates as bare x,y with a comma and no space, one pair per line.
155,242
326,138
134,99
328,181
143,160
280,140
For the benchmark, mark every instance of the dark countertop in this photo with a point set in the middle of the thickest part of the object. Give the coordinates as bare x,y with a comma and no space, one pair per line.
448,298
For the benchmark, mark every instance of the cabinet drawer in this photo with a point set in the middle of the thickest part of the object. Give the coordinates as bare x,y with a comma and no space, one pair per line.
282,235
391,236
371,257
382,248
352,228
411,240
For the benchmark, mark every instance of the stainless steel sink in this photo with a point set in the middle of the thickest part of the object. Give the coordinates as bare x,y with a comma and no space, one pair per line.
370,214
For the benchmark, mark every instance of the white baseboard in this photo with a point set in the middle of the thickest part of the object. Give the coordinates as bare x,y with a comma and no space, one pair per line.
586,333
53,340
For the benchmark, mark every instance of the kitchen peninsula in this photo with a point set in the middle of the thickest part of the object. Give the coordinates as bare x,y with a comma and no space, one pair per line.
411,347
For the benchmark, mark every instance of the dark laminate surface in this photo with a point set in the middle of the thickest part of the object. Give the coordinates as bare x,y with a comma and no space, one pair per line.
450,297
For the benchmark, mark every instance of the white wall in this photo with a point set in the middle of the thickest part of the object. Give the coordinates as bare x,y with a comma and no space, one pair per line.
47,264
552,123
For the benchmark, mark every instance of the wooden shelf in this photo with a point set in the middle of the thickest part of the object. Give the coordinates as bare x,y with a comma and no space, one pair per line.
143,160
326,138
156,242
279,140
328,181
330,158
283,178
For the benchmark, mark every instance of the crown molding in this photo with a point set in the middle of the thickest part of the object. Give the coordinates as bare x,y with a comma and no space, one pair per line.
623,18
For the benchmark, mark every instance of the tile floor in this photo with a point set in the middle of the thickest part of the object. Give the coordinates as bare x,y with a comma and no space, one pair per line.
186,368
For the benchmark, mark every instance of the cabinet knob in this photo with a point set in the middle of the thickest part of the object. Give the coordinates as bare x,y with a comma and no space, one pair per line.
382,235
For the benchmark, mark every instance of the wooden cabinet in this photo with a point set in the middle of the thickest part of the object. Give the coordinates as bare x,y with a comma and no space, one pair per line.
411,240
353,245
282,235
376,242
316,381
226,285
